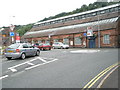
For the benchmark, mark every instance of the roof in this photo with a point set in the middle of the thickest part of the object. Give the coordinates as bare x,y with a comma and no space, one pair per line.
108,23
90,11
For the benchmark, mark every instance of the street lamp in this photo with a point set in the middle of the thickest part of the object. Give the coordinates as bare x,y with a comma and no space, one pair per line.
98,32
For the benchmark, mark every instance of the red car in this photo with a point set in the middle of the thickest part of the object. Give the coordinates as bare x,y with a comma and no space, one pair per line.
43,46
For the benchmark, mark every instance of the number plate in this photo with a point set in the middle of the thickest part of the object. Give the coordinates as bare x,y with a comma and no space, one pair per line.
10,51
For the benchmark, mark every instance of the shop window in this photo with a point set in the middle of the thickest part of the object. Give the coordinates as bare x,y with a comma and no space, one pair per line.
106,39
66,41
77,41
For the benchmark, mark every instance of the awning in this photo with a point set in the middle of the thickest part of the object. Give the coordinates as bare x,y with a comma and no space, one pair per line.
73,28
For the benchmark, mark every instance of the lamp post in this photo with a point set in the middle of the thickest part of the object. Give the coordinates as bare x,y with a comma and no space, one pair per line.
98,32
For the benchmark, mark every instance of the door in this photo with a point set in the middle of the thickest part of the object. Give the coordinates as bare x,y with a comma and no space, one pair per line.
92,42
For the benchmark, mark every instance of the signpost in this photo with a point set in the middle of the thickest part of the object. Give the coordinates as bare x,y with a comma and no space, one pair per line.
12,34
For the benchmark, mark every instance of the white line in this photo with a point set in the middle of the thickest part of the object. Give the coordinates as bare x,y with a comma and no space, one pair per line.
42,60
40,64
22,63
30,63
12,69
3,77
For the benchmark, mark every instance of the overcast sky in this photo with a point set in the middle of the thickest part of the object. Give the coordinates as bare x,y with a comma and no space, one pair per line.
22,12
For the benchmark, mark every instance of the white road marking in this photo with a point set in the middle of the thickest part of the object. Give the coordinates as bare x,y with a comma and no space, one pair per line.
40,64
42,59
3,77
30,63
12,69
85,51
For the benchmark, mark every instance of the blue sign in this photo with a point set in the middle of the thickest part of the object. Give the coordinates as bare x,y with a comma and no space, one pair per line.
12,34
85,34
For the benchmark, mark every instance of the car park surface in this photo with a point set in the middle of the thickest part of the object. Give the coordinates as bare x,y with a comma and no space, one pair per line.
58,68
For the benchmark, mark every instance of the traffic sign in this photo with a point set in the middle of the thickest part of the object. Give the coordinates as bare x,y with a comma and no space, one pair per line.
12,34
85,34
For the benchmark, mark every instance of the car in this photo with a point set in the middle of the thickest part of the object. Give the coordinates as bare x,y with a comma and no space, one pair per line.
60,45
43,46
21,50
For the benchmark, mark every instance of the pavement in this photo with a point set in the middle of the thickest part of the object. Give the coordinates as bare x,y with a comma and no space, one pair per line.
112,81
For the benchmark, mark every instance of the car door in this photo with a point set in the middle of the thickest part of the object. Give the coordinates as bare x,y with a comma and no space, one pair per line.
26,49
31,50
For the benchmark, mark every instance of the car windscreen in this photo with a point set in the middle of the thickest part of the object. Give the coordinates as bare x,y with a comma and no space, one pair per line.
14,46
46,44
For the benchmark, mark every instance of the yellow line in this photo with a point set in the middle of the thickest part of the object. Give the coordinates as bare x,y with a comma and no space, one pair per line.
99,77
101,73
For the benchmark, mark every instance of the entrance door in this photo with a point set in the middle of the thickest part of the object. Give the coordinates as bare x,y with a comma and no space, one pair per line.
92,42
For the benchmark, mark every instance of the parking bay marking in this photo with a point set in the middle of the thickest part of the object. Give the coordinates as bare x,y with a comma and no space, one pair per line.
3,77
29,62
40,64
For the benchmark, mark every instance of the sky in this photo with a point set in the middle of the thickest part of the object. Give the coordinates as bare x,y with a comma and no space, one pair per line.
22,12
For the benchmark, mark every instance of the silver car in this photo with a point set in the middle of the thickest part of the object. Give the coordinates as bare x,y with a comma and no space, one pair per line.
21,50
60,45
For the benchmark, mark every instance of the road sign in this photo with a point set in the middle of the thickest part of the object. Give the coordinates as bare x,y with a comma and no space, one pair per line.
17,39
85,34
12,34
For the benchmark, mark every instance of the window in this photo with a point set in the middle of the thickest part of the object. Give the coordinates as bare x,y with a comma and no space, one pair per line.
112,9
102,12
98,12
76,17
116,8
106,39
66,41
14,45
77,41
93,14
107,10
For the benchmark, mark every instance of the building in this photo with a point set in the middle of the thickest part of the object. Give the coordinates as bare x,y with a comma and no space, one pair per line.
6,38
92,29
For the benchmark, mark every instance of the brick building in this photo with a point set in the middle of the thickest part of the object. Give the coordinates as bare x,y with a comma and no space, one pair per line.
104,24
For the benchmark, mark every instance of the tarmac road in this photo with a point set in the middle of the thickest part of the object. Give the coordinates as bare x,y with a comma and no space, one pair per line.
59,68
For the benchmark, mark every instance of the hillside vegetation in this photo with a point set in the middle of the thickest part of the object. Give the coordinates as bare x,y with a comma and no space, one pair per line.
23,29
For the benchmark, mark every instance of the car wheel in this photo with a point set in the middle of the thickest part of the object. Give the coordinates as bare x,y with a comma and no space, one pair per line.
37,53
23,56
9,58
49,48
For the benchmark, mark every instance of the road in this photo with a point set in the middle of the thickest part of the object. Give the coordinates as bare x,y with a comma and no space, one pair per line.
58,68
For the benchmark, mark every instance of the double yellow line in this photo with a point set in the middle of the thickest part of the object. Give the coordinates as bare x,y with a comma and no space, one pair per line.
96,78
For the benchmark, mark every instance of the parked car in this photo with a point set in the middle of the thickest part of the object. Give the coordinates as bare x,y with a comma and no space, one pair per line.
43,46
60,45
21,50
